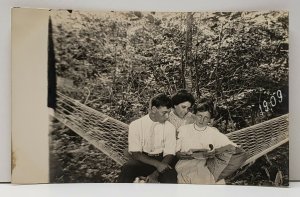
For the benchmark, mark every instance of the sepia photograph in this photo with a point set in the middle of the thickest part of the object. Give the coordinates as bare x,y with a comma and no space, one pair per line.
168,97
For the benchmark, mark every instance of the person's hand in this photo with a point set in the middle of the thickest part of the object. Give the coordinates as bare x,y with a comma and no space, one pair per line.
210,154
199,155
161,167
152,178
186,156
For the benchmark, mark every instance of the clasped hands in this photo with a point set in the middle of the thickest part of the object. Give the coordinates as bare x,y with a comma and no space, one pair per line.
160,168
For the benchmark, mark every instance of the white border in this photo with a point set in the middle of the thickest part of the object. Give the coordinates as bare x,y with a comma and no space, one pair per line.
159,5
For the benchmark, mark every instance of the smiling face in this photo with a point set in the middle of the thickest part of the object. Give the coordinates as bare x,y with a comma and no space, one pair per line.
202,118
182,109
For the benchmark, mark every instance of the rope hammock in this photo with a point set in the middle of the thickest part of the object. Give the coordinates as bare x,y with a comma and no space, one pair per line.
111,136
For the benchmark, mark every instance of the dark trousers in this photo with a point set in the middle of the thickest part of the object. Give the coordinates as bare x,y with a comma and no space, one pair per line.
133,168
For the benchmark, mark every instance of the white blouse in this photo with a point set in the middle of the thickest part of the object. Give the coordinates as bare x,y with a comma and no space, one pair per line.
191,137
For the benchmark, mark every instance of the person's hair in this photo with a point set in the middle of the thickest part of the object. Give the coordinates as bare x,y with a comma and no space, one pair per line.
161,100
182,96
202,107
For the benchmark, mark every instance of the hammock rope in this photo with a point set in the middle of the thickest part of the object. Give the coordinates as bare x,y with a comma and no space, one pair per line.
111,136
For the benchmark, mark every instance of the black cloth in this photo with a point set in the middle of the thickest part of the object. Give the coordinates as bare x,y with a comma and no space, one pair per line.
133,168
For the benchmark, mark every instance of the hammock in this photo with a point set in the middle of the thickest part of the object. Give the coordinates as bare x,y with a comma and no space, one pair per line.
111,136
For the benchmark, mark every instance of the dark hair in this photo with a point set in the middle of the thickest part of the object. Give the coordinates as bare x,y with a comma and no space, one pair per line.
202,107
161,100
182,96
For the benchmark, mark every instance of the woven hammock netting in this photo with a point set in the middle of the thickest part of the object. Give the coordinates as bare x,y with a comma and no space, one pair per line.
111,136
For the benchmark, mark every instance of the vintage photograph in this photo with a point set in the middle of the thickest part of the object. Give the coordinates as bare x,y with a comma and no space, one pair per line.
168,97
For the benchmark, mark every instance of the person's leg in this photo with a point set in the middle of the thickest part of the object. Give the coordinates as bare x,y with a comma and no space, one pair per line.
169,176
132,169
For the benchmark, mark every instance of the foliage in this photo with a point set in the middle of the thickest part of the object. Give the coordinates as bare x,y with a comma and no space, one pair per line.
269,170
120,60
74,160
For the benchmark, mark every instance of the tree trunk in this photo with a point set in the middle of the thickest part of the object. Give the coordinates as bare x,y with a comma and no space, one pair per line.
188,49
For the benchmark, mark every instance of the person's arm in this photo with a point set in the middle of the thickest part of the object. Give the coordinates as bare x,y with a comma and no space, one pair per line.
160,166
135,147
153,177
180,154
184,155
220,139
201,154
168,159
169,143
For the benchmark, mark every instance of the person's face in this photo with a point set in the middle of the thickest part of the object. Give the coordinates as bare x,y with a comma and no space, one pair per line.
161,113
182,109
202,118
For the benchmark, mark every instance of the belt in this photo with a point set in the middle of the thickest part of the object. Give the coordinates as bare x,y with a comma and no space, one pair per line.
153,155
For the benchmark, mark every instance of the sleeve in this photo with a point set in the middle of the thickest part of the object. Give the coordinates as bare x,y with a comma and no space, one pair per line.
134,138
221,140
170,140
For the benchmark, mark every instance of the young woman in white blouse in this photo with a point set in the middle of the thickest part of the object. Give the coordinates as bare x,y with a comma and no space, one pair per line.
195,144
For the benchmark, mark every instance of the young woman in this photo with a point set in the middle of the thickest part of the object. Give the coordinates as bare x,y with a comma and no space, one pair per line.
182,102
195,144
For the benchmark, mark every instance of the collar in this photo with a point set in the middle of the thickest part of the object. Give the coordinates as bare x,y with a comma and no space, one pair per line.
200,129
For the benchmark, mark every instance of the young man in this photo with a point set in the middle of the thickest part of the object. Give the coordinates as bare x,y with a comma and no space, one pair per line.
152,145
